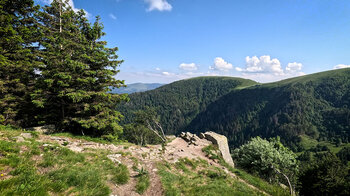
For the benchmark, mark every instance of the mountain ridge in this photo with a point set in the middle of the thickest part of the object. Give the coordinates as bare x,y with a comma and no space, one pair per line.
289,108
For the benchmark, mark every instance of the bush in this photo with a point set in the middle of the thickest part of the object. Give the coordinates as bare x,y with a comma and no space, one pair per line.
141,135
267,159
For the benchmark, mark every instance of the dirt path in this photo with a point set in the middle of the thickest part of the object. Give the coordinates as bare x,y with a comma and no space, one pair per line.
147,158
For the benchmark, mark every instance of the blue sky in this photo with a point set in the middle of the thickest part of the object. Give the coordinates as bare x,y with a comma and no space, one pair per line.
265,40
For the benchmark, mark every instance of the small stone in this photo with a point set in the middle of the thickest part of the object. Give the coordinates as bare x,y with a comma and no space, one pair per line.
26,135
19,139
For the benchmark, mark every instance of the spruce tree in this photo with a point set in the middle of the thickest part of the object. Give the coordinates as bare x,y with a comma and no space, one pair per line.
76,75
18,35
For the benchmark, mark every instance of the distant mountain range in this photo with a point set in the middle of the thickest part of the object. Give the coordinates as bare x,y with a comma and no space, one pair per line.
316,105
136,87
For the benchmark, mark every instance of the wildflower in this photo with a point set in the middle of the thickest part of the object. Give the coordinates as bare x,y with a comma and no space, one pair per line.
2,175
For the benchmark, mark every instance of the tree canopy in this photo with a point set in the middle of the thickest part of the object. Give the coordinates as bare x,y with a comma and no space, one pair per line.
55,63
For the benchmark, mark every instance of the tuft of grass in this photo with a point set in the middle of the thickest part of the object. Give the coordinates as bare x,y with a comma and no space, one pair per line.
120,174
85,180
25,181
205,180
143,181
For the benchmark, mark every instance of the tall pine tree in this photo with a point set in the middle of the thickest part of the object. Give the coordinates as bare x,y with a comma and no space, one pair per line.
18,35
76,75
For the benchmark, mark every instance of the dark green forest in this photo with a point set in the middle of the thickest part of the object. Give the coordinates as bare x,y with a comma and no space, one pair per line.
316,105
180,102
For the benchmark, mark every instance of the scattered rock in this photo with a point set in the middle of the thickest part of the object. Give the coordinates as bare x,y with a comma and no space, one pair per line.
19,139
26,135
58,138
46,129
75,148
170,137
47,145
114,158
190,138
221,142
89,143
202,136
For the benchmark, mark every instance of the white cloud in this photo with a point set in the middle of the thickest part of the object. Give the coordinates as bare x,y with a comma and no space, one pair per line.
165,73
221,65
71,4
341,66
265,69
263,64
160,5
112,16
293,68
188,66
158,69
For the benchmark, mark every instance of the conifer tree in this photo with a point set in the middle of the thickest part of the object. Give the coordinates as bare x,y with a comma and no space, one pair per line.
18,35
77,72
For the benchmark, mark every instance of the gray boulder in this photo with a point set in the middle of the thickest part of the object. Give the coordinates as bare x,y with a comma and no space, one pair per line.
221,142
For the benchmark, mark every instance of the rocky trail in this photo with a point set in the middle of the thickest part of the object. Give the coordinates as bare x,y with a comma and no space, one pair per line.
144,157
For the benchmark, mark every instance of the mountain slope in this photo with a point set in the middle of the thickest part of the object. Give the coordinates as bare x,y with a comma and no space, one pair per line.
316,105
136,87
179,103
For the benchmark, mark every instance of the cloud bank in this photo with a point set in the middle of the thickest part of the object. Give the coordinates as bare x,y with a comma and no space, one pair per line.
261,69
341,66
265,68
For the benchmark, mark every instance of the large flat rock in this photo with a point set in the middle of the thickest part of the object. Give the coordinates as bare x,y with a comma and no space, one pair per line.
221,142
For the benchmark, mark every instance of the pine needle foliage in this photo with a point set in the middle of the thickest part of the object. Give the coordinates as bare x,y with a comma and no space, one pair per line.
18,35
76,73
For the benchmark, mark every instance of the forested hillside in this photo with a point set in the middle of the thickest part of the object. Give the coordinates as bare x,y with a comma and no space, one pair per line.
180,102
316,105
136,87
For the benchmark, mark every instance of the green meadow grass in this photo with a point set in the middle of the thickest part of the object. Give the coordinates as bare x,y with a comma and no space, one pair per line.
29,168
197,177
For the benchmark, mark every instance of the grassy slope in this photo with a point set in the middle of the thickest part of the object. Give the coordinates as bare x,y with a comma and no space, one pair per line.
197,177
35,168
42,168
309,143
